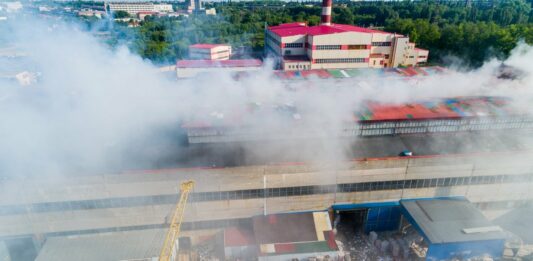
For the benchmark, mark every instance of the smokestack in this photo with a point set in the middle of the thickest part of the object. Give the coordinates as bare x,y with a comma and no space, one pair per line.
326,12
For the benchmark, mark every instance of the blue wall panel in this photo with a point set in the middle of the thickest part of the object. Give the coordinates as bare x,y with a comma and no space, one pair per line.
463,250
382,219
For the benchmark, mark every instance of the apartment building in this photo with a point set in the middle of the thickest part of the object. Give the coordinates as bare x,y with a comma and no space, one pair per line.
133,8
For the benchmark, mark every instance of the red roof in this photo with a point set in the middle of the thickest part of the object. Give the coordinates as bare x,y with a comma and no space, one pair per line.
214,63
234,236
206,46
302,29
420,49
409,111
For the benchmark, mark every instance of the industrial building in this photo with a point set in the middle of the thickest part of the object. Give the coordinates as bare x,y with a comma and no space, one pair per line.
133,8
297,46
452,115
493,172
128,245
453,229
210,52
192,68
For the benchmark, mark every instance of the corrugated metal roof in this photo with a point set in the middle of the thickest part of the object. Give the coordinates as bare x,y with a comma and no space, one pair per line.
284,228
109,246
442,220
238,236
434,109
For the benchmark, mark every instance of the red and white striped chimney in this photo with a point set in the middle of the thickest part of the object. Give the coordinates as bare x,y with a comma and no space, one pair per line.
326,12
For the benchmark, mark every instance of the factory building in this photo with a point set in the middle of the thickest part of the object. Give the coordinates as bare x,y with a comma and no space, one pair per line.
452,115
128,245
210,51
282,237
192,68
297,46
133,8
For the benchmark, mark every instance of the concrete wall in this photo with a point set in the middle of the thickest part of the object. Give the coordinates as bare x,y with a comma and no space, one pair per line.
23,192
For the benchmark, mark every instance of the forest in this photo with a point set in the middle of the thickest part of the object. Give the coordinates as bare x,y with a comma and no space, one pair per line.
473,31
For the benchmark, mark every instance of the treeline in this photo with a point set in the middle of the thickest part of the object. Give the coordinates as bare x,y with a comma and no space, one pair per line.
471,30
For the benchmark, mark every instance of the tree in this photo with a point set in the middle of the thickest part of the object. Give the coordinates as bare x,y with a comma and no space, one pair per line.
121,14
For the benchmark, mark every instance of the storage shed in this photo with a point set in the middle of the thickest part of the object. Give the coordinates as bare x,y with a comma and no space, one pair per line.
453,228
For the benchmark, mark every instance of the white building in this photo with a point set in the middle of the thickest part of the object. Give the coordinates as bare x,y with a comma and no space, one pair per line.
301,47
210,51
135,7
298,46
191,68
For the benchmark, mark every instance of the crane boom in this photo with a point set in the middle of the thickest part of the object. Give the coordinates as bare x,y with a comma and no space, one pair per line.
168,250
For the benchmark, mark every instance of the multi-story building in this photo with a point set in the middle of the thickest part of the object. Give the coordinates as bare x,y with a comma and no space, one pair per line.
133,8
210,51
297,46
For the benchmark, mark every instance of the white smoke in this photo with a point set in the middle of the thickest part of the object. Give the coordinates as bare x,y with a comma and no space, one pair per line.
96,109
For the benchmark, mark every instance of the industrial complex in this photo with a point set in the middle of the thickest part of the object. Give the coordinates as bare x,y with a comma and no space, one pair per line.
428,179
297,46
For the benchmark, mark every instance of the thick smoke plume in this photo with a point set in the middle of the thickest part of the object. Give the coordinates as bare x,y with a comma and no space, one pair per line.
97,110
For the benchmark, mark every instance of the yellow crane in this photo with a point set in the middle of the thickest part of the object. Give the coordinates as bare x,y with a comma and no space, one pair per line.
169,246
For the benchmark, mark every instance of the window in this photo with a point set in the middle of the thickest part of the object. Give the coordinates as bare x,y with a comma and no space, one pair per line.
294,45
381,43
287,52
357,47
328,47
386,56
341,60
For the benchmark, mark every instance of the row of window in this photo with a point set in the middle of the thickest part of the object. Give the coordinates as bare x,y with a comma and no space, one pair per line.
197,225
341,60
429,123
261,193
294,45
381,43
357,47
402,130
299,66
328,47
397,127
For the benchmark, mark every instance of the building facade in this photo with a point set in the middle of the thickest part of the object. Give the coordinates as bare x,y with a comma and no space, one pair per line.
192,68
297,46
210,51
133,8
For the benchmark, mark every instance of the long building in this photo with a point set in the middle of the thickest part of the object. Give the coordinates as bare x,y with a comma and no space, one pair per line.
133,8
297,46
463,114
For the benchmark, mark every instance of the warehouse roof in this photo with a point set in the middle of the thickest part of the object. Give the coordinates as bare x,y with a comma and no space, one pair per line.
206,46
293,29
217,63
448,220
439,108
114,246
518,222
284,228
238,236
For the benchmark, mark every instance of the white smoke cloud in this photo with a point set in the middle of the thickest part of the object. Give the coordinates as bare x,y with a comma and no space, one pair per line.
97,108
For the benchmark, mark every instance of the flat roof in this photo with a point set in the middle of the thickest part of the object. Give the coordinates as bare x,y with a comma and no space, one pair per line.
443,220
518,222
219,63
127,245
284,228
206,46
292,29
